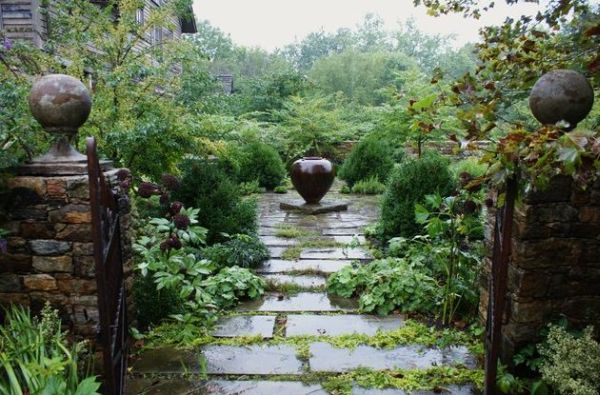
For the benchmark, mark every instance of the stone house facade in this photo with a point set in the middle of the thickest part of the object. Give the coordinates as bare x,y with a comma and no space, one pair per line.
28,20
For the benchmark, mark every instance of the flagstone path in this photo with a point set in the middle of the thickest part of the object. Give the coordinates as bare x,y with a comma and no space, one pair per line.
309,310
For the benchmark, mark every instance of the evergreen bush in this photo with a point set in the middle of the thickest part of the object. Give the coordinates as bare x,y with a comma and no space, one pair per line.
154,305
409,184
371,158
206,185
261,162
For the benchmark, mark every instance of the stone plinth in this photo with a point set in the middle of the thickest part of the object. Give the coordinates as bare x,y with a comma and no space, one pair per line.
325,206
50,249
554,269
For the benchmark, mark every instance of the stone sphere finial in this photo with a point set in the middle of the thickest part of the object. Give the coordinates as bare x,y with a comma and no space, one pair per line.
60,103
561,95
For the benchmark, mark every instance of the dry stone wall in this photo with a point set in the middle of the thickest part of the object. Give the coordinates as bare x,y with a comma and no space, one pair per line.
50,248
554,268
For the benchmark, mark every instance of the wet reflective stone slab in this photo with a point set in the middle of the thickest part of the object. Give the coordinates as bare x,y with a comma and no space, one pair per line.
325,206
298,325
275,252
342,232
335,253
156,386
167,360
272,241
304,301
303,281
221,387
350,239
313,265
326,358
245,326
255,359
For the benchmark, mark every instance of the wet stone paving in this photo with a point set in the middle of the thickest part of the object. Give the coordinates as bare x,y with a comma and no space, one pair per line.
300,306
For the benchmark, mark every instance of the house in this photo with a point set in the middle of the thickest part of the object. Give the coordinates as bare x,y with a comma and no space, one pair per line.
26,19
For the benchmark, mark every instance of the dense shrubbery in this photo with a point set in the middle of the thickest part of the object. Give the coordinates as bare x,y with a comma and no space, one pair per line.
207,186
154,305
571,364
371,158
408,185
35,357
261,162
169,252
242,250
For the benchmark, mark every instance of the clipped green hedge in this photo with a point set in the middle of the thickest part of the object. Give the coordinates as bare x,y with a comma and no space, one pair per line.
261,162
371,158
408,185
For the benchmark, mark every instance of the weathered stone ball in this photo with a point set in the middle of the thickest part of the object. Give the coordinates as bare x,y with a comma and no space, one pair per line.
561,95
60,103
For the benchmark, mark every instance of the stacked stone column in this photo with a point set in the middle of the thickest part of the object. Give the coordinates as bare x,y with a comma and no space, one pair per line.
554,270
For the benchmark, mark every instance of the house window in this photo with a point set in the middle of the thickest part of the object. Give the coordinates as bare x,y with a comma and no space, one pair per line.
139,16
157,35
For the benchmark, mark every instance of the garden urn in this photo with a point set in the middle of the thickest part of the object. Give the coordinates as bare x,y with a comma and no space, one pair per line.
312,177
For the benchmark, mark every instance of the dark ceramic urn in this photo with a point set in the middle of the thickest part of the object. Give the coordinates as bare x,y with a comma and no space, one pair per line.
312,177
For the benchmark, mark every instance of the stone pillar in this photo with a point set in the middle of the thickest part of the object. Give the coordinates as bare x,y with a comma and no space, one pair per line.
50,251
46,209
554,268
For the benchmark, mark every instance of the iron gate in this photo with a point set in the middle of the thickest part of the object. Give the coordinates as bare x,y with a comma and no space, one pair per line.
106,233
498,283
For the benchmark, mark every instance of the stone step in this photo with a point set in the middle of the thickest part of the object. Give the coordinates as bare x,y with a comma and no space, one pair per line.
326,358
358,240
182,386
302,281
273,241
328,231
335,253
246,325
303,301
253,359
300,325
167,360
310,265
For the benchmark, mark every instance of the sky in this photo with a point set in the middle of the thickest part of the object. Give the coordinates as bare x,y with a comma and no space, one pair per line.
271,24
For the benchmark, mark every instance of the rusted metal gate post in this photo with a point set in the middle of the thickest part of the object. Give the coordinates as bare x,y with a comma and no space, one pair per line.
106,232
498,284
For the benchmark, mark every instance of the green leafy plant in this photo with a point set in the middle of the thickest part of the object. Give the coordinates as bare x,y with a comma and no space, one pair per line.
222,210
407,186
281,189
153,305
232,284
370,186
450,222
250,188
242,250
262,163
386,285
370,159
571,363
35,357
